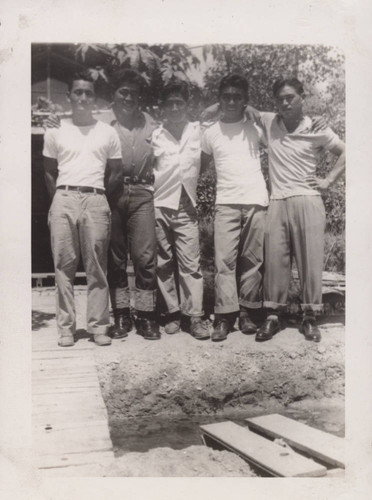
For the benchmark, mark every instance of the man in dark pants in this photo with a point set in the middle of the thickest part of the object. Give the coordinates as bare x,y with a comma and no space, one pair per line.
133,217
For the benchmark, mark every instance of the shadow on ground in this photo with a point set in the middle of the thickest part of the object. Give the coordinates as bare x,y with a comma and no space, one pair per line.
40,319
82,334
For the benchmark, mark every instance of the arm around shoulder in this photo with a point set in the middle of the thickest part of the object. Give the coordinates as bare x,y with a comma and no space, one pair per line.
113,176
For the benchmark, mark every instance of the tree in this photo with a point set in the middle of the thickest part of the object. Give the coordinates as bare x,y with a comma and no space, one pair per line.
158,64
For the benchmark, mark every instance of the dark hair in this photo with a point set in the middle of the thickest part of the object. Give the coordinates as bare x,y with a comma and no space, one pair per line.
234,80
121,77
176,87
81,75
291,82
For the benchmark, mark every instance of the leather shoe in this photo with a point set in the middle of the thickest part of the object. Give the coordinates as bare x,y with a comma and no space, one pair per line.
148,328
221,330
267,330
246,325
198,329
123,325
310,330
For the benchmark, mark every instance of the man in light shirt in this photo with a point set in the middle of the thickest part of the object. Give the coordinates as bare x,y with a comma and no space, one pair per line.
77,158
176,146
240,210
296,215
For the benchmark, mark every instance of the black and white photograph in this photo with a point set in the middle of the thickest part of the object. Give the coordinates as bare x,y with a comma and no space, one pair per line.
190,281
195,197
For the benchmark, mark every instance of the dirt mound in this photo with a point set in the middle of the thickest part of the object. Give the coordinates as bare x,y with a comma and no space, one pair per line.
181,376
193,461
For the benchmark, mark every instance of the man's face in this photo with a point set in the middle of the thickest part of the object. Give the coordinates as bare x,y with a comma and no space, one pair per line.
82,96
175,108
127,98
289,102
232,103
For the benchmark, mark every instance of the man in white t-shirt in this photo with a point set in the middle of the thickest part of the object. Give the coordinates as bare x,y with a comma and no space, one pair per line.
82,162
296,215
176,146
240,210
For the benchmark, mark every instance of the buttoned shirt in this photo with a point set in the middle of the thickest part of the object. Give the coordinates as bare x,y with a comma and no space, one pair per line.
136,148
177,164
293,156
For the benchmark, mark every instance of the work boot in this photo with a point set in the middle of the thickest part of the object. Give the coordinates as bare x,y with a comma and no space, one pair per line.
198,329
148,328
123,325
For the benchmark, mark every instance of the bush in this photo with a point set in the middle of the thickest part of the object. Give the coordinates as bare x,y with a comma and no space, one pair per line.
334,252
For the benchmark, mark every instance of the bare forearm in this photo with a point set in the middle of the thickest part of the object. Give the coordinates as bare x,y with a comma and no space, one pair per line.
337,171
51,184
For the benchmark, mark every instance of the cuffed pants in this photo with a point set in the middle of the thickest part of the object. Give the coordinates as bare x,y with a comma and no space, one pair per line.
133,231
177,235
238,243
295,228
80,222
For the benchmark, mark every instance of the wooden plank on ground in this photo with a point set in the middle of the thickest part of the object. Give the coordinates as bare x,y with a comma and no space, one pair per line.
261,452
318,444
75,440
64,461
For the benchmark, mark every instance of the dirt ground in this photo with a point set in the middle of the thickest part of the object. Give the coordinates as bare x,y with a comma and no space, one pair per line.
180,377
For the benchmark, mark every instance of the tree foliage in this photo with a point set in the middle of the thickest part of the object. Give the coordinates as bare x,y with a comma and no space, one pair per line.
158,64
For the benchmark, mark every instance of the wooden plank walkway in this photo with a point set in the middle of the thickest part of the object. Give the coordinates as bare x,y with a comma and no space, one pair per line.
69,417
320,445
264,454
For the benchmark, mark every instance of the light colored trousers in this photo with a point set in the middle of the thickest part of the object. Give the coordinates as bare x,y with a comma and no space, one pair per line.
177,236
295,228
80,222
238,249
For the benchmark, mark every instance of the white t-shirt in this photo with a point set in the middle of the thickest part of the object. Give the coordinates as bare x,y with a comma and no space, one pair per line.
177,164
235,149
293,156
82,152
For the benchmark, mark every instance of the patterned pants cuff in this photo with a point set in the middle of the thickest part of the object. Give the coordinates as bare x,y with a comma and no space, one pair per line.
144,300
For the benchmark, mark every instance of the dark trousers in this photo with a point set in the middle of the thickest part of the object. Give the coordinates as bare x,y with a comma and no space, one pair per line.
133,232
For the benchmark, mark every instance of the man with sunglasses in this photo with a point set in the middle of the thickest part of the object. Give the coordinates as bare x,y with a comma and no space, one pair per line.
240,210
176,145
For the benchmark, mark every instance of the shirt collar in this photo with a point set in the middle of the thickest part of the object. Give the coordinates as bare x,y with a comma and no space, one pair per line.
302,128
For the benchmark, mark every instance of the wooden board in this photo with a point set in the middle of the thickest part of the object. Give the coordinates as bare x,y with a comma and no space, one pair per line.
316,443
261,452
64,461
69,417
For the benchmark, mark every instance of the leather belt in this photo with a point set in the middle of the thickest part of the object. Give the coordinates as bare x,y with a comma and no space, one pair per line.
149,179
82,189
